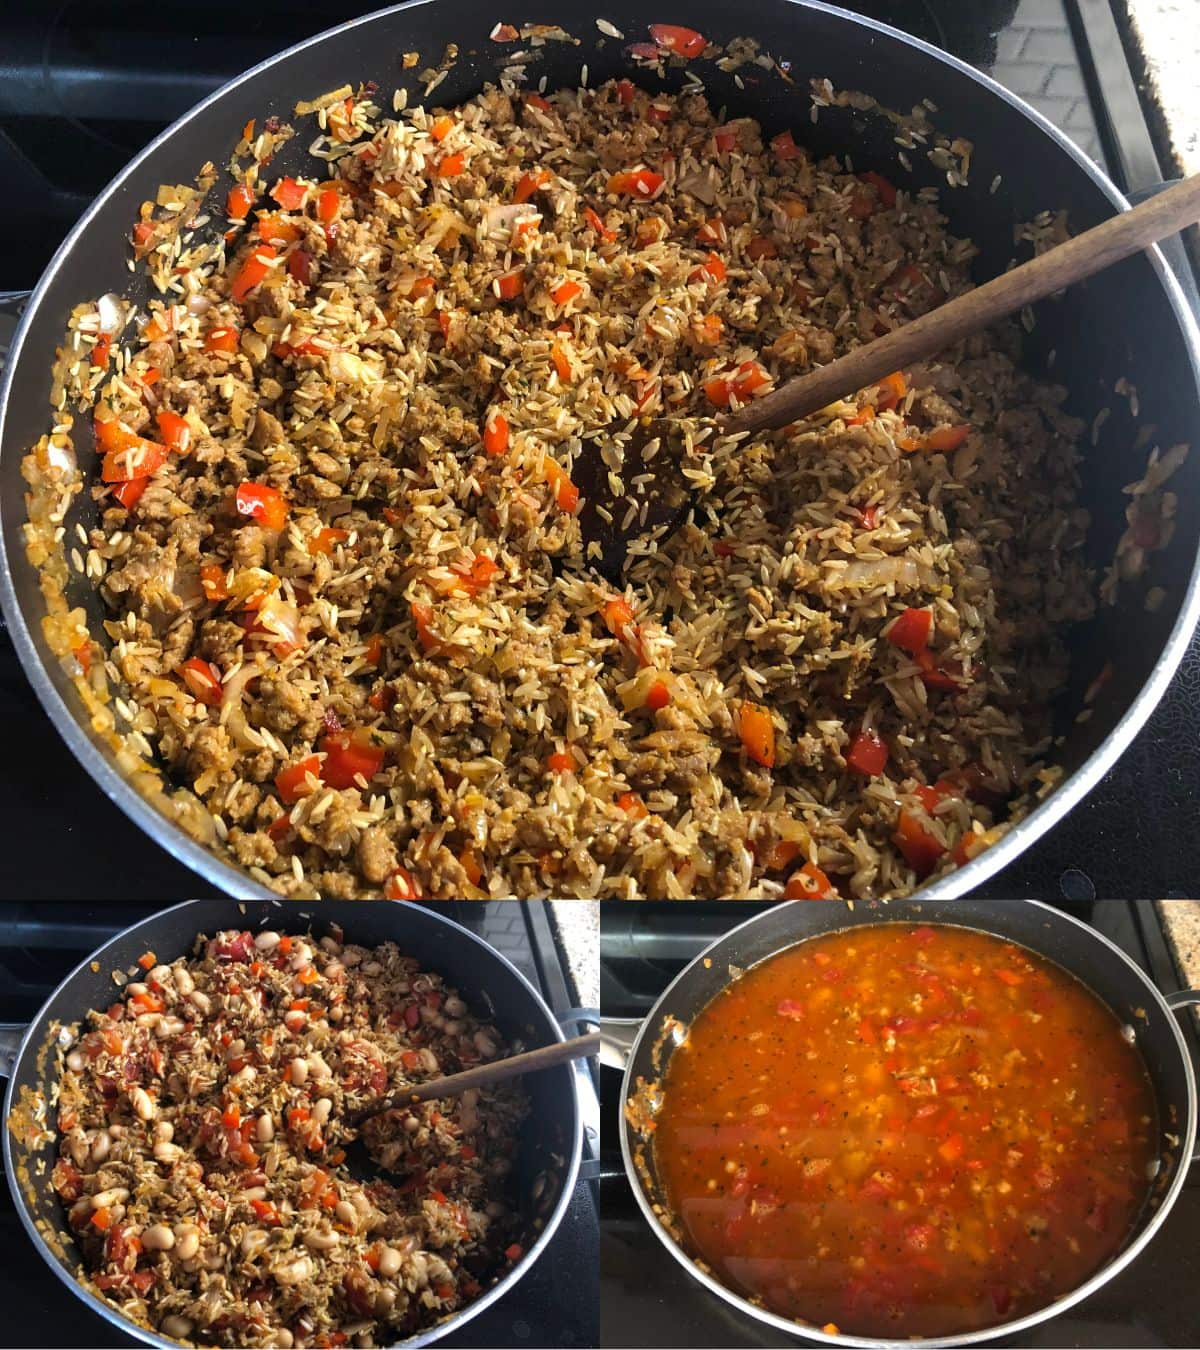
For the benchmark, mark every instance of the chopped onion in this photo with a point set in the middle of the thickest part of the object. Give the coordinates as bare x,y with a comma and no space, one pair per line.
499,220
112,313
878,572
61,458
281,619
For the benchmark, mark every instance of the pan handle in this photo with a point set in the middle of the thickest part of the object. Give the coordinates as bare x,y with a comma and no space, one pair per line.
617,1035
11,1036
1185,998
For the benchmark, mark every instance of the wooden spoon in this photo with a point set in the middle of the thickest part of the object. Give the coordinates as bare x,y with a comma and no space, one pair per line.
499,1070
656,447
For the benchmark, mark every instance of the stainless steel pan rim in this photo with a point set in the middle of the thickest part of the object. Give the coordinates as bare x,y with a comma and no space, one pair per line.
234,882
35,1031
803,1330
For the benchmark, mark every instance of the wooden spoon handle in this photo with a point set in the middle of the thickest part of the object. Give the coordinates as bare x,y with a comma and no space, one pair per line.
1124,234
453,1085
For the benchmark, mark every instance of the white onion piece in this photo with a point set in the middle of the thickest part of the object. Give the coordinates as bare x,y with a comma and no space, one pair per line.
112,313
878,572
501,219
281,619
61,458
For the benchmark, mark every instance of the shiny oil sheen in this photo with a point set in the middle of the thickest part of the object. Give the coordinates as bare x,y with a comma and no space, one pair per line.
906,1131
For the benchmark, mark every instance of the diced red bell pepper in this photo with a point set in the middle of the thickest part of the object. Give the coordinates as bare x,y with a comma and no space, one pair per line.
808,883
538,102
757,733
289,194
911,631
262,503
725,139
441,127
635,183
203,679
712,270
566,493
509,284
565,292
174,430
531,182
423,618
299,266
295,781
921,850
495,433
784,147
221,339
239,201
945,438
136,458
253,271
886,191
868,753
633,806
892,388
100,352
560,762
130,492
325,540
349,754
658,696
685,42
451,165
625,91
401,886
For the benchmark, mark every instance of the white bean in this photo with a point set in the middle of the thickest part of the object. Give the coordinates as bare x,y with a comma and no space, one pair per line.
429,1060
484,1044
322,1110
100,1146
167,1153
265,1129
75,1061
372,968
267,940
330,944
454,1006
298,1072
160,975
200,1001
301,955
346,1214
284,1339
254,1240
245,1075
319,1069
178,1328
294,1272
158,1238
142,1103
137,987
320,1240
183,981
187,1241
115,1195
164,1131
254,1193
390,1262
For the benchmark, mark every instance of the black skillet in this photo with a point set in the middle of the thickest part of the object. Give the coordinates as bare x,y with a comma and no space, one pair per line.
1073,945
485,978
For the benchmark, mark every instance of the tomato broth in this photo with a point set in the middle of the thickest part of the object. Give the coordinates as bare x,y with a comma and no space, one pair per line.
903,1130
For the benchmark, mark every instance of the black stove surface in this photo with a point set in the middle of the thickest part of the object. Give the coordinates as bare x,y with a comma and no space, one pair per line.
85,83
40,944
649,1299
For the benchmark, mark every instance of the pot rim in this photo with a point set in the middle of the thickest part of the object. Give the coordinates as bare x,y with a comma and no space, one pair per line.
429,1335
804,1330
233,881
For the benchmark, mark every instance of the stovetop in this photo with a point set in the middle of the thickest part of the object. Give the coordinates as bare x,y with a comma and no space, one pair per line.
85,83
40,944
648,1299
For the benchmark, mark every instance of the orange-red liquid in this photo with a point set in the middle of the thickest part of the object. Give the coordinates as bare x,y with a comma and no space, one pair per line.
906,1131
